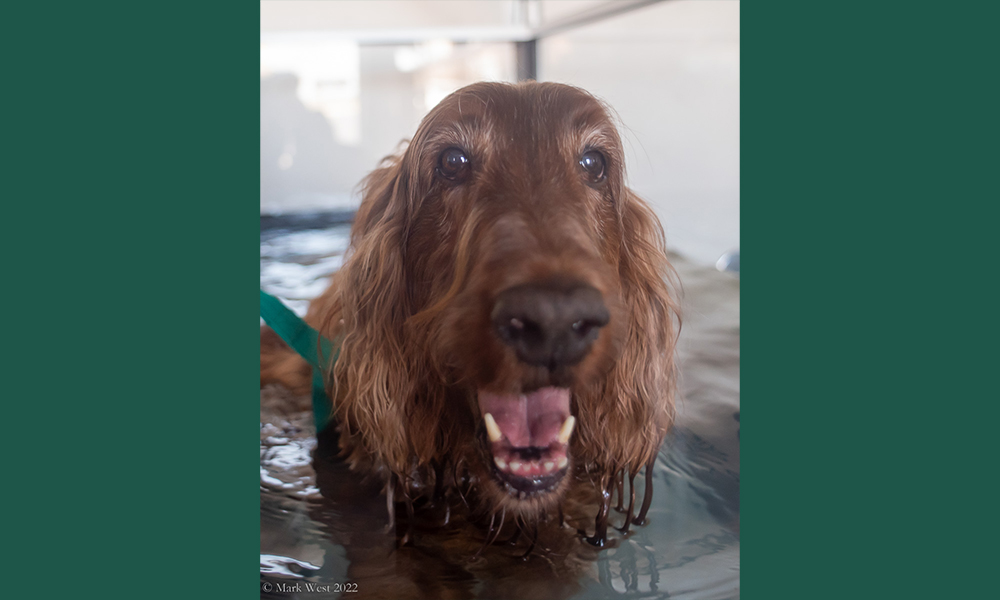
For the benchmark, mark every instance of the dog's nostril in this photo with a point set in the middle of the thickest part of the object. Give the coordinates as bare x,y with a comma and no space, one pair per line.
583,327
516,329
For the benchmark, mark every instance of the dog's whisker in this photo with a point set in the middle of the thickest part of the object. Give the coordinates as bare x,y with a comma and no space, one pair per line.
516,535
534,540
475,556
491,534
493,538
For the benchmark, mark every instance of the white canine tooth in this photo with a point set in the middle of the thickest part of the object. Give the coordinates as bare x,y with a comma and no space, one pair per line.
500,463
549,465
491,428
567,429
563,461
515,465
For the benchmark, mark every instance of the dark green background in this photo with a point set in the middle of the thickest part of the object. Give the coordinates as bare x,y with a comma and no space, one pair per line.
131,230
131,245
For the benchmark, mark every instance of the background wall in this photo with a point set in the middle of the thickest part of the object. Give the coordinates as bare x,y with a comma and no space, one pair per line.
672,72
343,82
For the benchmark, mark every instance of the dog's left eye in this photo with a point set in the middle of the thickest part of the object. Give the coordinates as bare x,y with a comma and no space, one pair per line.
592,162
453,164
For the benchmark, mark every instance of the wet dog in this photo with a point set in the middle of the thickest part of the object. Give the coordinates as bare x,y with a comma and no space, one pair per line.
504,312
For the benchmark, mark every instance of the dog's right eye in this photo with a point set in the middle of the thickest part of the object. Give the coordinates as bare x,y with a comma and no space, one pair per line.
453,164
593,163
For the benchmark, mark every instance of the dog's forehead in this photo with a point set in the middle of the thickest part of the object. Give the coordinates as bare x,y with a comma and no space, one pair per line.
520,117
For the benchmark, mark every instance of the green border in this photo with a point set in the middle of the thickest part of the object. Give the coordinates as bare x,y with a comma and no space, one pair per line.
868,194
131,239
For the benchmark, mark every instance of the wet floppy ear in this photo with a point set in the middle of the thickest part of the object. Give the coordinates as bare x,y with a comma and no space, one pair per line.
642,383
371,382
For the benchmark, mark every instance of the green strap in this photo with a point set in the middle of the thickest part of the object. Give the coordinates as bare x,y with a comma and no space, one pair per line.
309,344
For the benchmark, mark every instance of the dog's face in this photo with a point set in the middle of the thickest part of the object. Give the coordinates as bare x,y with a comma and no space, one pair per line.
523,191
532,308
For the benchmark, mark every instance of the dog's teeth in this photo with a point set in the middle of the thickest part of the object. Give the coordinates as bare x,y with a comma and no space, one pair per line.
549,465
563,461
491,428
515,465
500,463
567,429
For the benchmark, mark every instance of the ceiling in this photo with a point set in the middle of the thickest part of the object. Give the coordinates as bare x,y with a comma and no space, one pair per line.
407,21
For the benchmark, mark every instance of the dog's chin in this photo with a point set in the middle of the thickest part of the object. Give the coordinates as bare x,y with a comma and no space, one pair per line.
526,442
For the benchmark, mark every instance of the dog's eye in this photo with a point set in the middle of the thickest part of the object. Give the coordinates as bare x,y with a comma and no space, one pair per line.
453,164
592,162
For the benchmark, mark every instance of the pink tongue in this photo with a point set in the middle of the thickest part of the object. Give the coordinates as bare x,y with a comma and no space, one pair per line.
529,419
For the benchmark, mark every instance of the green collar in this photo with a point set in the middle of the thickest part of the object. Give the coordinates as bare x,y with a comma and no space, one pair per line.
309,344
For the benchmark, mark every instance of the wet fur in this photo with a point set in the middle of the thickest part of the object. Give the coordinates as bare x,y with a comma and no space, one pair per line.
411,303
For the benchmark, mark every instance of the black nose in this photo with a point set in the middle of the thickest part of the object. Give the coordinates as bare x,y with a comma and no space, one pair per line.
550,326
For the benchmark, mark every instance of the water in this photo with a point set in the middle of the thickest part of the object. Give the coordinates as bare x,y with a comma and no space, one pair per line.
323,526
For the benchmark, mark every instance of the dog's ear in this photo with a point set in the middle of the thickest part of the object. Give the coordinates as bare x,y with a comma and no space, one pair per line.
372,382
639,393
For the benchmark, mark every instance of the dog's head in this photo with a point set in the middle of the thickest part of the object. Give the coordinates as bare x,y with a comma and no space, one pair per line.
505,306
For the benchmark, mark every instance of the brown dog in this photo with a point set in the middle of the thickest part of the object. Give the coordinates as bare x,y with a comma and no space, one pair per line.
504,311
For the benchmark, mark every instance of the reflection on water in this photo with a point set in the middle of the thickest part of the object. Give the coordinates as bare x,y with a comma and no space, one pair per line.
325,526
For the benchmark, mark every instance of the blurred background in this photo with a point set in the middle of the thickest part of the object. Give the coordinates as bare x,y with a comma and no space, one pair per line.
342,83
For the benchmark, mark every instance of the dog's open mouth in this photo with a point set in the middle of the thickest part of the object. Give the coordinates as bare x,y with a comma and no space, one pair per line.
529,438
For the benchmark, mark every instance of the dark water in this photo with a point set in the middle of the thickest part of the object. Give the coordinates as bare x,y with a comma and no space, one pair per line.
322,525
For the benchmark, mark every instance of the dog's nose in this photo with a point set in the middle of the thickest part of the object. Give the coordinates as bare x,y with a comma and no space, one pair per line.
550,326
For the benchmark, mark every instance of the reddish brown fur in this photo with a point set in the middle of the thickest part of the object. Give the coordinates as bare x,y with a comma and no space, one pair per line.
279,364
428,257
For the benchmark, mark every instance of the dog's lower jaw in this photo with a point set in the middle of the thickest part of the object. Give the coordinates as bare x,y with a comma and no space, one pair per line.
497,495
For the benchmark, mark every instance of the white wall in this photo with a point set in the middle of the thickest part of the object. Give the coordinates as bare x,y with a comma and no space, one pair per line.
672,72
